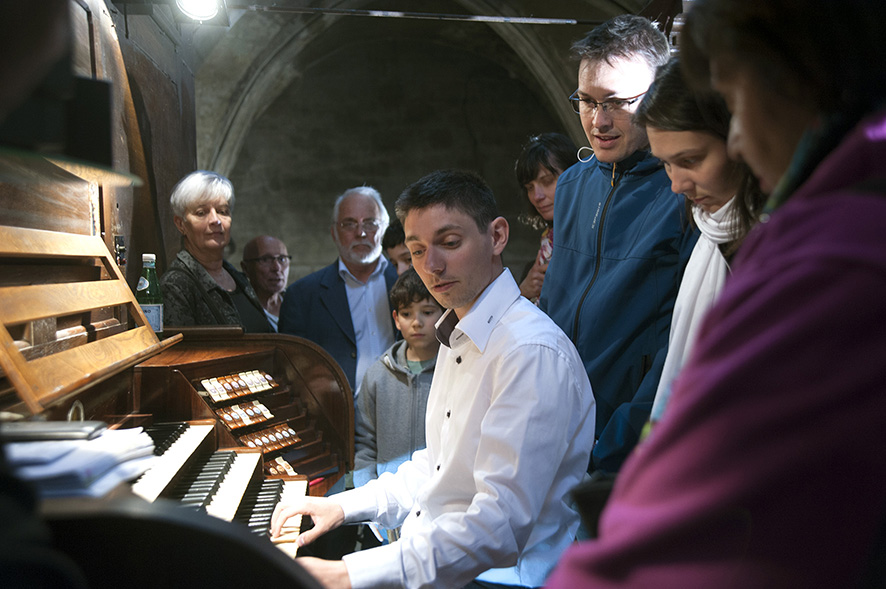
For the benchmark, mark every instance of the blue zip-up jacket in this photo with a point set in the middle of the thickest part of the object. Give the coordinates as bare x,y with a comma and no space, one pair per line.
621,241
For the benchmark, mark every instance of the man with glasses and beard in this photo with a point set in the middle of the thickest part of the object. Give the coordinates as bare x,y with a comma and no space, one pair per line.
344,307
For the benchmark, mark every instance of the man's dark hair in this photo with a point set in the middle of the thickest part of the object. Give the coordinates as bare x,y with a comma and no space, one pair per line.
393,236
454,189
409,289
624,37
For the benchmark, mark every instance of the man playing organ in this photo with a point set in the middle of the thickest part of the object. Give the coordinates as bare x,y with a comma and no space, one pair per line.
510,421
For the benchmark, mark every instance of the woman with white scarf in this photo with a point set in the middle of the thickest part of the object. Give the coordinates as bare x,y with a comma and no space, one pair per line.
687,132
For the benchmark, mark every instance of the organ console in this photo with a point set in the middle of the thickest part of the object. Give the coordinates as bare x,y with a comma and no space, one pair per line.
240,421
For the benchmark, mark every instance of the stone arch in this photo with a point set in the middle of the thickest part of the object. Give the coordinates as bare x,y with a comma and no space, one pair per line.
249,66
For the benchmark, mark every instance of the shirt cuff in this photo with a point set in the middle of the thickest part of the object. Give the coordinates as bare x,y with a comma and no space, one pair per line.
376,567
357,504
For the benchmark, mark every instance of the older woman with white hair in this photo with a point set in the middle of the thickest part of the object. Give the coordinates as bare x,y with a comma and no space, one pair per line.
200,287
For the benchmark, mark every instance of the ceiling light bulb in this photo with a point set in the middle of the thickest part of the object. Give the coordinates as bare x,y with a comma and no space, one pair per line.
198,9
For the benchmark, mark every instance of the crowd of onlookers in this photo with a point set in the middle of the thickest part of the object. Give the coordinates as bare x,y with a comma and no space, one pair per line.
697,346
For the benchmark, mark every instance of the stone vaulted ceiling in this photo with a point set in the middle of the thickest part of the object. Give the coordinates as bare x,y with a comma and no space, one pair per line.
243,68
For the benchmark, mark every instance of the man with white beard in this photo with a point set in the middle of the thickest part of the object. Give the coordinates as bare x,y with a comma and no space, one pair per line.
344,307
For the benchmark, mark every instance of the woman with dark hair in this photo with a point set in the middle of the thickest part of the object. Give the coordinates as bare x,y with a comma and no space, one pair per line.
687,131
539,165
768,468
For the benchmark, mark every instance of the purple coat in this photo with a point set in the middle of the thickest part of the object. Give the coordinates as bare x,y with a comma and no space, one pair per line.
769,467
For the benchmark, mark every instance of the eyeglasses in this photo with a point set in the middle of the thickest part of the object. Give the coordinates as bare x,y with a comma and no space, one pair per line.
614,107
368,226
267,261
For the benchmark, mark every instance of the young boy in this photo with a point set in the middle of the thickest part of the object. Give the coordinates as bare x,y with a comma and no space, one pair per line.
390,420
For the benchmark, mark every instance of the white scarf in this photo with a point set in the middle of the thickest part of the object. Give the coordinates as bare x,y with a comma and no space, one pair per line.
702,281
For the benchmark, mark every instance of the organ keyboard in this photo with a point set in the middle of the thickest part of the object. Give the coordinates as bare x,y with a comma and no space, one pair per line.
292,528
226,484
174,457
227,499
74,344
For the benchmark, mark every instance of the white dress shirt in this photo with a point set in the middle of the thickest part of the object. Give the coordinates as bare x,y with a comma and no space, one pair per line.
273,320
370,314
510,428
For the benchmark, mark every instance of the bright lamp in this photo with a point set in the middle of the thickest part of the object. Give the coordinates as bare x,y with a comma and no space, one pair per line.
198,9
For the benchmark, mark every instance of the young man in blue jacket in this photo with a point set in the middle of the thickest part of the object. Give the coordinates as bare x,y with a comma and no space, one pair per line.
621,239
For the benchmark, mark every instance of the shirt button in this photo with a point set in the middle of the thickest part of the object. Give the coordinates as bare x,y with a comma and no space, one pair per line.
418,513
448,413
438,467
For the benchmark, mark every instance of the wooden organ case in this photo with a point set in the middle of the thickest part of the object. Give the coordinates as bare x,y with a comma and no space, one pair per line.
76,345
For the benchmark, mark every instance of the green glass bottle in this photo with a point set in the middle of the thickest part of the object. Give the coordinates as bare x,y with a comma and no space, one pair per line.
148,294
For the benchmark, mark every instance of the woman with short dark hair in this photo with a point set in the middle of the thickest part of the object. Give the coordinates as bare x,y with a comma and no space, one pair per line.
539,165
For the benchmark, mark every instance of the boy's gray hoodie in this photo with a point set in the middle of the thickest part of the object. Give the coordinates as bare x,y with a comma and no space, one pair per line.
390,419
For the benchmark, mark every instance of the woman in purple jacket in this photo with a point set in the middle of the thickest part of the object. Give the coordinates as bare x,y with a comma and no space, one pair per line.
769,467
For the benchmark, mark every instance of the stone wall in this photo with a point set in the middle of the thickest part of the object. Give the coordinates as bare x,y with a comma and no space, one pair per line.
383,102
